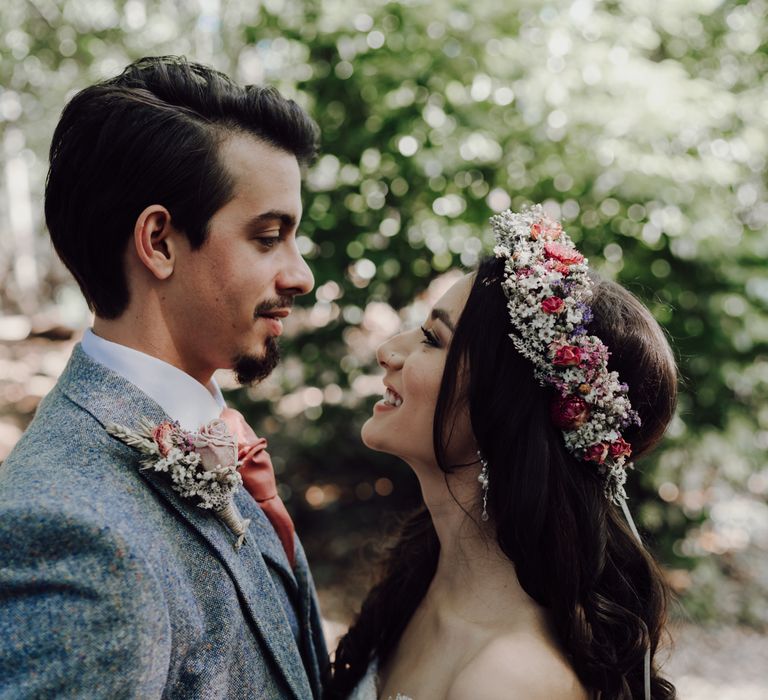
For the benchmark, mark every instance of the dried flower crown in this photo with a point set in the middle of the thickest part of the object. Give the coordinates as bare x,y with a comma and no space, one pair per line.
548,290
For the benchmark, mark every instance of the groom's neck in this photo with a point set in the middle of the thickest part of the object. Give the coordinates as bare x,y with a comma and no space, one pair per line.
146,333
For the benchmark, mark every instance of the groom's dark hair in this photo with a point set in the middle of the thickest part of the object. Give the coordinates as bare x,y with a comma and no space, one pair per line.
151,136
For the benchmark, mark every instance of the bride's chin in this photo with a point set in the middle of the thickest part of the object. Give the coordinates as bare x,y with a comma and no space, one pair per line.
373,440
364,432
368,436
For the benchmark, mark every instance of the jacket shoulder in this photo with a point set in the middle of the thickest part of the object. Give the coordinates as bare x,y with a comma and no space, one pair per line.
63,452
74,588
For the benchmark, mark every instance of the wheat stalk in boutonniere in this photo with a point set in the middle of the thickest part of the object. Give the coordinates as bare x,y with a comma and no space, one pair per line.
202,465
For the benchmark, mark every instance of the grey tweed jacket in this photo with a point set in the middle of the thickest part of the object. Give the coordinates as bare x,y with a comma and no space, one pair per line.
112,586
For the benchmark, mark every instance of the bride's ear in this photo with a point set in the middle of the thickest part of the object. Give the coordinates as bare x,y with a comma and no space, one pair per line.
155,241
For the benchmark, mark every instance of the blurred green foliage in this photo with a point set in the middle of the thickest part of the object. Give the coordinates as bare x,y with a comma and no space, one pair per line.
640,124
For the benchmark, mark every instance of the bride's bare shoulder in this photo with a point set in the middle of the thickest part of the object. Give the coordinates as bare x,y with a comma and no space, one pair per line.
517,666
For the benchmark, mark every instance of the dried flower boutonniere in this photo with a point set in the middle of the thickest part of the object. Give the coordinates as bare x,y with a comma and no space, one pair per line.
202,464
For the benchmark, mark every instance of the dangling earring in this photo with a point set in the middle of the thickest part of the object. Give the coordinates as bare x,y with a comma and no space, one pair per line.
483,479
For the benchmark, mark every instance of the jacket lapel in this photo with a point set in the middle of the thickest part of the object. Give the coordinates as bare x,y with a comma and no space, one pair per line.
262,535
251,577
110,398
315,653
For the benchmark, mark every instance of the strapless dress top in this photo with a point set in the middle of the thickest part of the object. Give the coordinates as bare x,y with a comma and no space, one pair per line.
368,687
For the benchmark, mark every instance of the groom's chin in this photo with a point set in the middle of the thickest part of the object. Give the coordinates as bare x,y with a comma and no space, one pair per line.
251,369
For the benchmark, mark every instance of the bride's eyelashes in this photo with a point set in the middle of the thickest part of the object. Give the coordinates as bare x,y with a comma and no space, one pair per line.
430,338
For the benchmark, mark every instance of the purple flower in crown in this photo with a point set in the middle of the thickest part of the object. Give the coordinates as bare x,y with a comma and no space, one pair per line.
556,383
586,313
564,286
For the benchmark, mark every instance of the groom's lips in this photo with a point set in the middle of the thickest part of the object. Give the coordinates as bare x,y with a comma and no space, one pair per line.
275,313
273,319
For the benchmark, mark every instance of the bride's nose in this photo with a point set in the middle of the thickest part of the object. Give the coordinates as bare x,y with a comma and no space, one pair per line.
388,356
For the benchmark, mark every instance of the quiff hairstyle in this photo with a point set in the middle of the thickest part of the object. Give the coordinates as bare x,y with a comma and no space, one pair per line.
151,135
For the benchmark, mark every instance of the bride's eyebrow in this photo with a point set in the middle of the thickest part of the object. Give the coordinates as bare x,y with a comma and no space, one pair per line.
444,317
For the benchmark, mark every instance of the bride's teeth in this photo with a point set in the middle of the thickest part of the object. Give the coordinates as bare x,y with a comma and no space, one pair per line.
391,398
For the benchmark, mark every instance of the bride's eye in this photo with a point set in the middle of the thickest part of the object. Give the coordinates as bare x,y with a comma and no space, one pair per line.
429,338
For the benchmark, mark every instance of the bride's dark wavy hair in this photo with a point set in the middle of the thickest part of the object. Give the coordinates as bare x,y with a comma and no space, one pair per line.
573,552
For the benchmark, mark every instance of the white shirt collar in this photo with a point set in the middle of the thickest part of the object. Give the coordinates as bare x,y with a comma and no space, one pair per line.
183,398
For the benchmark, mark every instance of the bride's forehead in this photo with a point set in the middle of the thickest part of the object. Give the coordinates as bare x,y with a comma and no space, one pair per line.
454,300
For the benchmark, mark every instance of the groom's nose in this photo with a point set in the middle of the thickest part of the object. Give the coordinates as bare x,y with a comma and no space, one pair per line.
294,277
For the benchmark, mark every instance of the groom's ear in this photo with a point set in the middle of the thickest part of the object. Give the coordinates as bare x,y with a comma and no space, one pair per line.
156,240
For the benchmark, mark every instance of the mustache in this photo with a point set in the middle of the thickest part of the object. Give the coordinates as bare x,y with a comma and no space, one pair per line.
270,305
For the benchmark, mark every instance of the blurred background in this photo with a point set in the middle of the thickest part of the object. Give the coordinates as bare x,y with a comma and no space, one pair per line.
640,123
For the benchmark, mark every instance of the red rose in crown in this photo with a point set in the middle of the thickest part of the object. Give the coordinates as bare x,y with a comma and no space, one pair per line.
620,448
552,305
567,356
596,453
569,412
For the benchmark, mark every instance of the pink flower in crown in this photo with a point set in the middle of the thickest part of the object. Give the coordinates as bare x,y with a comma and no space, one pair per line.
596,453
547,228
163,436
552,305
524,272
569,412
620,448
557,266
592,357
215,445
554,230
567,356
562,253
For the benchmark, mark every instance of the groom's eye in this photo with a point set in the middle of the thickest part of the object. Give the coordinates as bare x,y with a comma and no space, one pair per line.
269,241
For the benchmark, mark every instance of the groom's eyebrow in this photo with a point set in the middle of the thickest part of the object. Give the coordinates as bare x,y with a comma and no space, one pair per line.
444,317
286,219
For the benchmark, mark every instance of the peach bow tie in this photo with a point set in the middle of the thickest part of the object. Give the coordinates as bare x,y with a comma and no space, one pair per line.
259,477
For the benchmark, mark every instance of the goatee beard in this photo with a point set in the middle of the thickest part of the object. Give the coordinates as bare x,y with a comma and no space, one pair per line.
250,369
